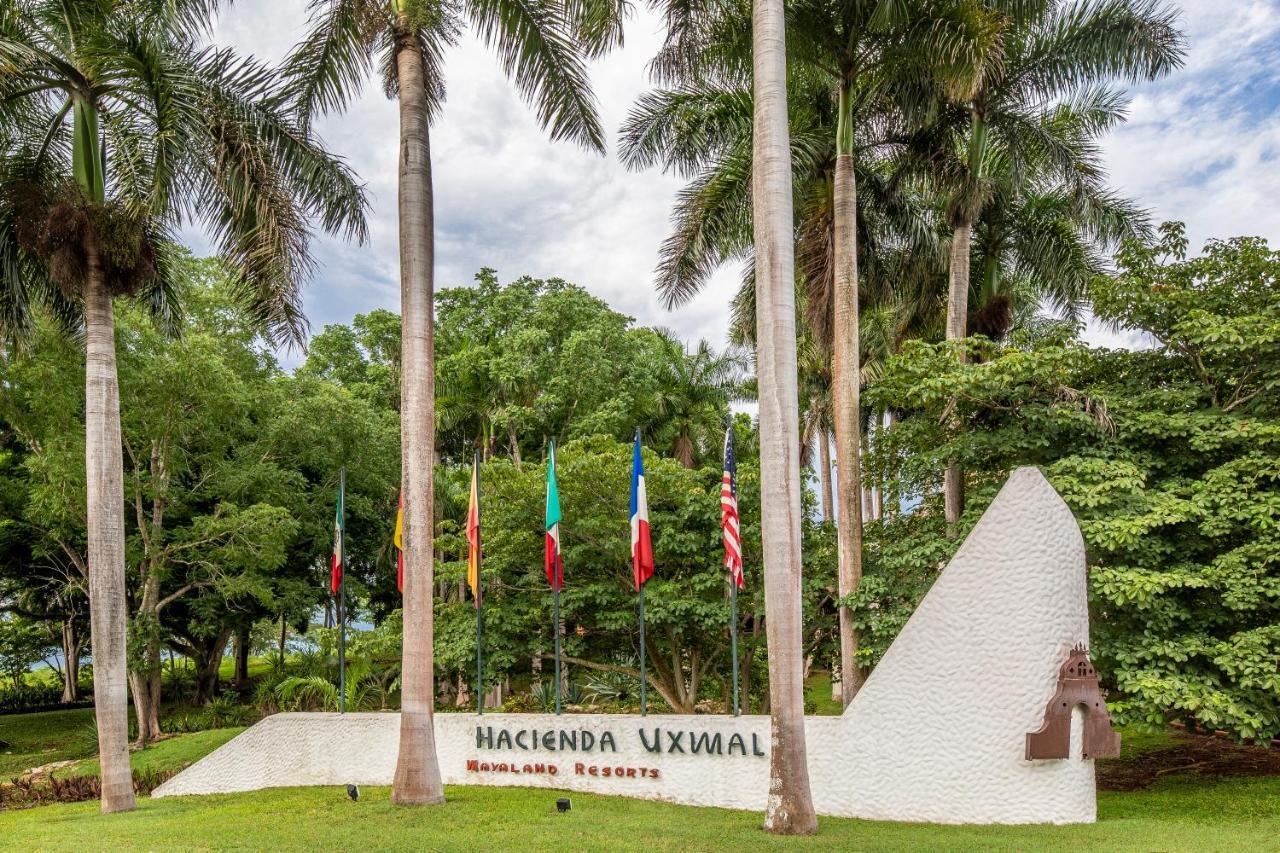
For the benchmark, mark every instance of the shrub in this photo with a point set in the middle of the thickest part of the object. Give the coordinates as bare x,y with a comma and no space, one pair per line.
25,698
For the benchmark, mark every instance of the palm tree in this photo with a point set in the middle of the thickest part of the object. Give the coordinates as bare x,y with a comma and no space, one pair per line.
117,124
1043,53
848,61
693,394
790,804
541,46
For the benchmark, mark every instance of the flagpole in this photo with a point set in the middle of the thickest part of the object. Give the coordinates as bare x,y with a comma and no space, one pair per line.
556,627
479,600
342,591
644,705
733,635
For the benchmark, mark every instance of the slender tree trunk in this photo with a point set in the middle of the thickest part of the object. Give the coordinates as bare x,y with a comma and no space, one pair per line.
417,776
284,636
71,646
790,803
824,453
957,320
208,664
242,658
104,474
845,390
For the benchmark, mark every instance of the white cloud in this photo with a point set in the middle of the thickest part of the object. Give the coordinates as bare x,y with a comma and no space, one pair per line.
1200,146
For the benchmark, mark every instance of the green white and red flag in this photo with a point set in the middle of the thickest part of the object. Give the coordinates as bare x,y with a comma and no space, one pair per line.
554,562
335,573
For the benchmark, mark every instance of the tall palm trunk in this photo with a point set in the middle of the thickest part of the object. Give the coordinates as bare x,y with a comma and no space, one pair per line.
104,475
824,454
790,804
417,776
845,389
957,321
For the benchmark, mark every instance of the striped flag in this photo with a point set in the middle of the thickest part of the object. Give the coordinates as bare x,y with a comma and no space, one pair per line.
335,566
553,559
398,540
729,524
641,545
473,533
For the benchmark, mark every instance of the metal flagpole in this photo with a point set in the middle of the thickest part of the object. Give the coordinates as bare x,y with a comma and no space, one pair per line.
733,634
644,677
479,600
556,627
342,591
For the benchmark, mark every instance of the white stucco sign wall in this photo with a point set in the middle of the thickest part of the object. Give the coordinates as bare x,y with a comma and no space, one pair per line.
936,734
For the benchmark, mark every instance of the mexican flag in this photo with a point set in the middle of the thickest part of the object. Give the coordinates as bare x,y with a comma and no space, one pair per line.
554,561
335,574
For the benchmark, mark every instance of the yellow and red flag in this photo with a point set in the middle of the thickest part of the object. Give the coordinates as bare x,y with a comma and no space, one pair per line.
399,543
473,533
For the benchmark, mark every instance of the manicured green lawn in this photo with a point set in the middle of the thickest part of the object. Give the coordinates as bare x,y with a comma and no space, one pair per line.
39,739
173,753
1179,816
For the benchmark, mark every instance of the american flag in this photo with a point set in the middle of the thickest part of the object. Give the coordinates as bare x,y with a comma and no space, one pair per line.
729,512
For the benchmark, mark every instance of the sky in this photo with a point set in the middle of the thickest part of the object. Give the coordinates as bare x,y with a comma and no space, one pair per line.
1200,146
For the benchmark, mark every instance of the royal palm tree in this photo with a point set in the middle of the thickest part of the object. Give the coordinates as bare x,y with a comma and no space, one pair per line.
1043,53
790,803
848,62
542,46
117,126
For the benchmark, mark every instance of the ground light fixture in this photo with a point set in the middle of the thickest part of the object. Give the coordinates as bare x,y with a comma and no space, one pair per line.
563,805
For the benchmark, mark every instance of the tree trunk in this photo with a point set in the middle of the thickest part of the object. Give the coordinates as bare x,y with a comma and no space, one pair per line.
72,645
824,453
242,658
417,775
957,320
208,662
104,475
515,447
146,682
790,803
845,390
284,637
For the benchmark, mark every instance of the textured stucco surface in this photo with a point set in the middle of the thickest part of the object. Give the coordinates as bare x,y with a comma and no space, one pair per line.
936,734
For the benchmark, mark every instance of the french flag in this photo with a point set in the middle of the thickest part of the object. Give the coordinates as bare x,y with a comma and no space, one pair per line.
641,546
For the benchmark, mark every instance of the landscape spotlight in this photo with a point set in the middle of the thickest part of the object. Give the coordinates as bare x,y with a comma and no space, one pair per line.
353,791
563,805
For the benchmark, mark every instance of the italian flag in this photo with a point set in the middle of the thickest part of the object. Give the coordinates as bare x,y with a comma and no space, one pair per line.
335,574
554,561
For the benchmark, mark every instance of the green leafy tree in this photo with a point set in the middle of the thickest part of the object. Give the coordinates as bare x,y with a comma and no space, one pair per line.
1167,456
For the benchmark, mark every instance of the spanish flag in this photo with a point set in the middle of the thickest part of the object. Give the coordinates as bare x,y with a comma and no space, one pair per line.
473,533
399,543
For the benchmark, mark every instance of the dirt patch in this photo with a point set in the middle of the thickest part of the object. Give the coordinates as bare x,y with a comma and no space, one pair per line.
1201,755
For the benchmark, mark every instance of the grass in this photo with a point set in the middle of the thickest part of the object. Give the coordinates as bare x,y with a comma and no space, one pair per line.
1175,816
38,739
173,753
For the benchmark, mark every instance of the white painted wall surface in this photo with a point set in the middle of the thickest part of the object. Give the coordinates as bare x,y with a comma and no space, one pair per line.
936,734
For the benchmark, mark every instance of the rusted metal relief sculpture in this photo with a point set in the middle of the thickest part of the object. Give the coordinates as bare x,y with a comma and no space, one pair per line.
1077,685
